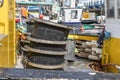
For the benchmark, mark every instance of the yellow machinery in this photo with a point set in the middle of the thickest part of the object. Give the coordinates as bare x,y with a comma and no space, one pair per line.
7,33
111,51
82,37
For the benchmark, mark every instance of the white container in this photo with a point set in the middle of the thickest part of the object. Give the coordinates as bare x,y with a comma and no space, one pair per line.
97,50
92,57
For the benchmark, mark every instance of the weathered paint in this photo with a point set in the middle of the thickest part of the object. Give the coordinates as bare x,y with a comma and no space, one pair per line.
7,27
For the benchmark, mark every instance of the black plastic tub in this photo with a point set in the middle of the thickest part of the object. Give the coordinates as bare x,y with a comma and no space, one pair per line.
45,59
50,31
30,26
47,47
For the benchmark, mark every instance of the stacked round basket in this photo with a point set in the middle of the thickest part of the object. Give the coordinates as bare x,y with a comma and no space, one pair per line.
47,45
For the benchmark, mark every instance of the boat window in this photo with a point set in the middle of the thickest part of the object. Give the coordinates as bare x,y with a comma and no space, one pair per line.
1,3
119,9
110,9
74,14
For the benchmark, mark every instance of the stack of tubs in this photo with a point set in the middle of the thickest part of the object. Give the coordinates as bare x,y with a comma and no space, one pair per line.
25,43
47,45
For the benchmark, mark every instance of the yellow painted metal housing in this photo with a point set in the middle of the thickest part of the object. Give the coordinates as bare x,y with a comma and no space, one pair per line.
82,37
7,27
111,53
